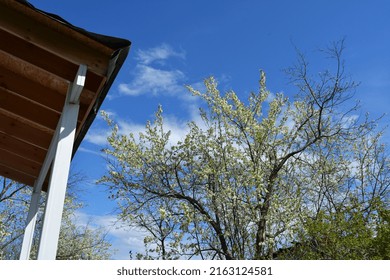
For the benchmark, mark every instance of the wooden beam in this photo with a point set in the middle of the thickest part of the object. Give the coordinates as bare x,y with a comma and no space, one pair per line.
19,83
24,131
55,37
21,148
28,109
39,85
32,72
16,175
20,163
25,50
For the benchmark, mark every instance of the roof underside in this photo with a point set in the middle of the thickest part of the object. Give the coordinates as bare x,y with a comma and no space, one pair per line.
40,54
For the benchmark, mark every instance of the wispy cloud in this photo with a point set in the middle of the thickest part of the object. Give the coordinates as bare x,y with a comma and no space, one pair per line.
150,80
158,54
90,151
99,133
97,136
151,74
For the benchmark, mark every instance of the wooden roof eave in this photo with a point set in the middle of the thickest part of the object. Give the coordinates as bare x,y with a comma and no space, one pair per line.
39,56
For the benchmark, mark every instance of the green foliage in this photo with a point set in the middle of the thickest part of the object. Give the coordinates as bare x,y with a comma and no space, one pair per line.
381,242
345,235
342,235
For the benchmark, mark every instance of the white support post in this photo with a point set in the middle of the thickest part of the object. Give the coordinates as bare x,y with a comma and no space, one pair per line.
31,221
60,170
35,197
57,186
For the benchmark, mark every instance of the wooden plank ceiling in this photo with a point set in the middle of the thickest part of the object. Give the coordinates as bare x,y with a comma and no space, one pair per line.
39,57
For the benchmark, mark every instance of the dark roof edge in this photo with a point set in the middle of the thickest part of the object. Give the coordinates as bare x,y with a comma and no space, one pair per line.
119,59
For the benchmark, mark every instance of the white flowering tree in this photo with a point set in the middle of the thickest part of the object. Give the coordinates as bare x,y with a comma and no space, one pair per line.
244,183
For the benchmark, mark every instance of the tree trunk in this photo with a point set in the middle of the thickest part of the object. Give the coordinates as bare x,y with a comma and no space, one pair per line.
262,224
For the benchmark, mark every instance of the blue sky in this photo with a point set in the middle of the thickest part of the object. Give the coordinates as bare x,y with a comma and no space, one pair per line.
177,43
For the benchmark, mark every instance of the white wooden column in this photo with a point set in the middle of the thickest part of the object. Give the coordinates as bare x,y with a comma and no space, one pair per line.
30,225
60,154
35,197
57,185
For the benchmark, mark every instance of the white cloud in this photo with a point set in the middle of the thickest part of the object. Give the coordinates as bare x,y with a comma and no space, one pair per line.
150,80
158,54
90,151
152,76
97,136
126,127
